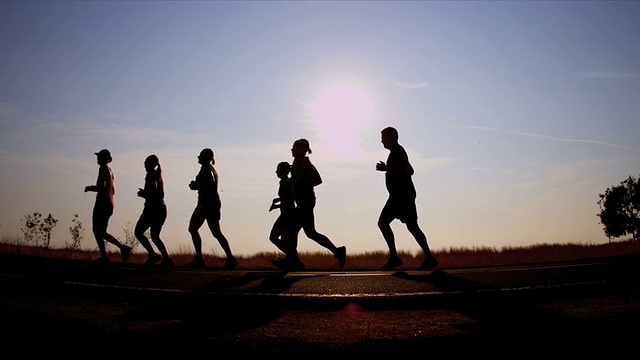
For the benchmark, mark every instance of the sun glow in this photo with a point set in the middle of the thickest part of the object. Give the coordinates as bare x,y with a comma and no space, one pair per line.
339,114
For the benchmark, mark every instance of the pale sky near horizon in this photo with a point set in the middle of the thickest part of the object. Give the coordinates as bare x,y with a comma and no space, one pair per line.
515,115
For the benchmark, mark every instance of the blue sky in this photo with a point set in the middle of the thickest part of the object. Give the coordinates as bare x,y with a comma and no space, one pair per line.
515,115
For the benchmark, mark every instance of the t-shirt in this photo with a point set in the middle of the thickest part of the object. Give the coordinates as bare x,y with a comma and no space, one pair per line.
398,174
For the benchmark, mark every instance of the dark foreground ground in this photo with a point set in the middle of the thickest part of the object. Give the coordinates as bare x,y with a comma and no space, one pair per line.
52,308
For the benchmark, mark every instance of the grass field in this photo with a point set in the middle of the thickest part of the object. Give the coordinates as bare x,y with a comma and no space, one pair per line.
448,258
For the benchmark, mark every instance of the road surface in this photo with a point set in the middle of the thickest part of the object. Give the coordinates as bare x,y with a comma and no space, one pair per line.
75,309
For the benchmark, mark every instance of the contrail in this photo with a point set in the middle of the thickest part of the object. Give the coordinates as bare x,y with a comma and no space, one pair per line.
610,74
569,140
408,85
584,141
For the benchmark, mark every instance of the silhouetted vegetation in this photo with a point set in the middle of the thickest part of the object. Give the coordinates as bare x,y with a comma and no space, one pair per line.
38,230
459,257
620,209
76,230
129,236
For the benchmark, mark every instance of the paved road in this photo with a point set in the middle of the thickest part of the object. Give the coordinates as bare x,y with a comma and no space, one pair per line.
76,308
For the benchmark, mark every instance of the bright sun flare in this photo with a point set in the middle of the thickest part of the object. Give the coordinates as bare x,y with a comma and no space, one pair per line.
339,114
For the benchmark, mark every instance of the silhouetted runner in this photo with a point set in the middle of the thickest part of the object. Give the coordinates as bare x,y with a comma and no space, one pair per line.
305,177
103,208
154,213
208,208
401,203
281,230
